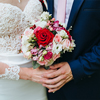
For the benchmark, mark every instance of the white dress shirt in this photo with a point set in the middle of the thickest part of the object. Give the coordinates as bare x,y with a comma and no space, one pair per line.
68,9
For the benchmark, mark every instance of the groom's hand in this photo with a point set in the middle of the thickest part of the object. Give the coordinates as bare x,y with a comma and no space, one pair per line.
54,81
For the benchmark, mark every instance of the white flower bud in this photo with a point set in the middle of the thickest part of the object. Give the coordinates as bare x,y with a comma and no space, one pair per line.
41,58
44,52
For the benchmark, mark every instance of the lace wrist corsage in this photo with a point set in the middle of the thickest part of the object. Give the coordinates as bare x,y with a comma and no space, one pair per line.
11,73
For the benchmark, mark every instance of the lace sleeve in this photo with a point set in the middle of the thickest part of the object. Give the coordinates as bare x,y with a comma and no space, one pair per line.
11,73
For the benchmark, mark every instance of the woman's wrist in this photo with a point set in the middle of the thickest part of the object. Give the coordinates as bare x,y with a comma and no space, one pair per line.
25,73
2,67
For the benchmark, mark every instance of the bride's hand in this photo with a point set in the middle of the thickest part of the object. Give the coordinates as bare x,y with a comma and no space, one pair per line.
33,74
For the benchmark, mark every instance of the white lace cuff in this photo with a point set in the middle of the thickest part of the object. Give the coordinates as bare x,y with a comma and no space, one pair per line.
11,73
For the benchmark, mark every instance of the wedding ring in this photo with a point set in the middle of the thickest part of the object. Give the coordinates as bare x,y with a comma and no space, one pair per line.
54,92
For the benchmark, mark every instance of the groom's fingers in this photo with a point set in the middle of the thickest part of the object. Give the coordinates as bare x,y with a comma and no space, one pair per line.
55,80
54,74
62,70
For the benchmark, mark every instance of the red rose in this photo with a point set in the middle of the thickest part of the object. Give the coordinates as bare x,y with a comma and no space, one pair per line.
70,37
44,37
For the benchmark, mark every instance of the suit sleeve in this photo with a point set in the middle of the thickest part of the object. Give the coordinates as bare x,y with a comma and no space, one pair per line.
87,64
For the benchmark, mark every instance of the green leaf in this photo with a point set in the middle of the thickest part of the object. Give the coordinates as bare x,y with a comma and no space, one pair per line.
54,32
50,17
46,67
35,64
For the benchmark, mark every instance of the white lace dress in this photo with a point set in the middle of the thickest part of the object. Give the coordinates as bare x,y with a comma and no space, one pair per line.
13,22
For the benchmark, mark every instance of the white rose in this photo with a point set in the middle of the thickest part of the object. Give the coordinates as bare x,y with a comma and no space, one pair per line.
25,48
63,24
62,33
32,22
42,24
24,40
45,16
29,32
28,55
25,44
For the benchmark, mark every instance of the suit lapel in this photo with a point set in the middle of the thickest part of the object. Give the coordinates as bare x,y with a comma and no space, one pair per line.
51,6
75,8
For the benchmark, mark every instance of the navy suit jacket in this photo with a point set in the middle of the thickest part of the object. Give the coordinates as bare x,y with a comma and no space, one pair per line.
85,59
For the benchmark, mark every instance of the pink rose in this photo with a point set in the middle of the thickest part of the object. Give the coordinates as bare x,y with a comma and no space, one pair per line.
28,32
66,43
48,55
56,56
37,29
57,38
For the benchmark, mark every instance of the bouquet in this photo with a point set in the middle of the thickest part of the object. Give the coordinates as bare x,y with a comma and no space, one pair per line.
45,40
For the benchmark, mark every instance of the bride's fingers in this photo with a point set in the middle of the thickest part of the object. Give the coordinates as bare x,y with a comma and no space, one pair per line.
49,71
55,66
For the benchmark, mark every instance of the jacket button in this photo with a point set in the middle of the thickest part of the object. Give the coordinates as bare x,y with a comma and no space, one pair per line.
89,76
